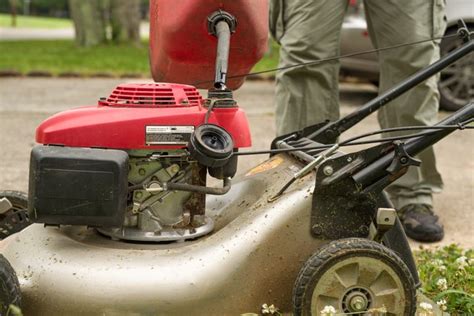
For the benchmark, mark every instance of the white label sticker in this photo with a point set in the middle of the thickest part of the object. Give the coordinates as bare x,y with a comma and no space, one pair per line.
168,135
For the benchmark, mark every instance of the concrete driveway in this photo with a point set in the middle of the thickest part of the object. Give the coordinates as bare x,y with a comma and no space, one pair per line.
24,33
25,102
20,34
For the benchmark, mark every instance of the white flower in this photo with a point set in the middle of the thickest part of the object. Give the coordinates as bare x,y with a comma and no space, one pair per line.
471,261
442,268
272,309
442,304
426,309
269,309
328,310
462,262
437,262
442,284
426,306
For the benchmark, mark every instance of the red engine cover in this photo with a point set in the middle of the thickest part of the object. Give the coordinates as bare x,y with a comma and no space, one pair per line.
121,120
182,50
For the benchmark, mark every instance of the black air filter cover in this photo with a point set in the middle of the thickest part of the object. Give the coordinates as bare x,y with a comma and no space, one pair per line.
78,186
211,145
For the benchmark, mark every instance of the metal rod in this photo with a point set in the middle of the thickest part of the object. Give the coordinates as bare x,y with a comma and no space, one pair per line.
331,131
222,58
300,154
305,170
171,186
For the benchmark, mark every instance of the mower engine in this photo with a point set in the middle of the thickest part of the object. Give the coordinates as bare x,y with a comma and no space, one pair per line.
135,166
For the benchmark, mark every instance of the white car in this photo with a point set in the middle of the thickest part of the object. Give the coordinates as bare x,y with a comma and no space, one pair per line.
456,85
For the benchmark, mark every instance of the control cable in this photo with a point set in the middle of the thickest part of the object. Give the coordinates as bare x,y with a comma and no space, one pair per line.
318,61
353,140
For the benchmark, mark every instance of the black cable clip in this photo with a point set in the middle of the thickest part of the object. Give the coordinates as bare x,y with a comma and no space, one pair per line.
401,159
463,31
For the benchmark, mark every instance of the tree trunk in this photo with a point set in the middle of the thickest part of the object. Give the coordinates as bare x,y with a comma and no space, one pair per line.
125,21
89,24
13,5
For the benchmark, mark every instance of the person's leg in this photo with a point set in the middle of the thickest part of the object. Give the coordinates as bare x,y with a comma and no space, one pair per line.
307,31
393,22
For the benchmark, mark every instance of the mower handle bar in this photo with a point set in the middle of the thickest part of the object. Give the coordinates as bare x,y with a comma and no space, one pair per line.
330,132
378,168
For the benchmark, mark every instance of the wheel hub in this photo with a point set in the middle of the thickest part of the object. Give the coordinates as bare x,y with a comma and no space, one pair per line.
356,300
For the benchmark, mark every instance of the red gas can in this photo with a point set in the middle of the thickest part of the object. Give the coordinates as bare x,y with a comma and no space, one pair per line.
183,51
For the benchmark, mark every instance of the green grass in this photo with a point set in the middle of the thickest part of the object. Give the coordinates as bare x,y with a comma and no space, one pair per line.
35,22
270,60
60,56
455,268
64,56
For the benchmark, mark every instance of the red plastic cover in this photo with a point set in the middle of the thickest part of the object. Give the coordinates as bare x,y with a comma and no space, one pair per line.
153,95
134,115
182,50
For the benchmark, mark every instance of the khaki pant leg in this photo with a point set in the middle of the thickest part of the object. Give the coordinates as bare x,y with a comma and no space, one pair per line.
307,30
393,22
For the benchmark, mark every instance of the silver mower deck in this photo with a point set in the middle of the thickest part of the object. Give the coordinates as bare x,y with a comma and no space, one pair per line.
252,257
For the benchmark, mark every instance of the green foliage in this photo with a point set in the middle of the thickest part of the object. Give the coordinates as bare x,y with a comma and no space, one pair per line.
14,311
270,60
64,56
47,5
447,276
35,22
39,7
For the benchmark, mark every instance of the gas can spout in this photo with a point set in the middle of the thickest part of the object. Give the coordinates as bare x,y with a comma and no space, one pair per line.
222,58
221,24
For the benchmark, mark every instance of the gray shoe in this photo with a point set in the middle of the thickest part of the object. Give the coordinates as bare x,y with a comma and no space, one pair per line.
421,223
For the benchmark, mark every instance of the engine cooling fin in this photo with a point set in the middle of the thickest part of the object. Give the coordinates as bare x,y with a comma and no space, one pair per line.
153,95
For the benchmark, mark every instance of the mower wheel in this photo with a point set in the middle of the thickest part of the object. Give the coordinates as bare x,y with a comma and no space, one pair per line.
9,287
354,275
16,218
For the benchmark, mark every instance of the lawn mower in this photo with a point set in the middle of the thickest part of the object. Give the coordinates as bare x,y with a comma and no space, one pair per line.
123,220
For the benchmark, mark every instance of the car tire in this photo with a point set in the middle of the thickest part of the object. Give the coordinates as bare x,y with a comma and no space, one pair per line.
454,81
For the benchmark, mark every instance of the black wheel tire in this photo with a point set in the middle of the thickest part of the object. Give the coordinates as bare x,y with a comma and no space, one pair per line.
9,287
17,198
450,98
338,251
19,201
